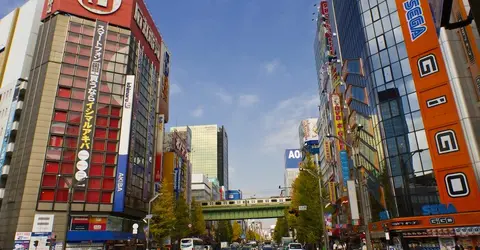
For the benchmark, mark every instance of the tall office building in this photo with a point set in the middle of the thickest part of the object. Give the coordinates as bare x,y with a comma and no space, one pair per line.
293,158
86,139
209,151
18,36
412,83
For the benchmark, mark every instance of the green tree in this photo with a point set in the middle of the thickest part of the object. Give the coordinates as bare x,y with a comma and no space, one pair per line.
163,220
306,193
281,229
197,219
224,232
182,216
236,231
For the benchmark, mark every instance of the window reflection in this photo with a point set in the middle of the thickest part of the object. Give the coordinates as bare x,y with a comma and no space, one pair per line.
422,139
389,38
395,22
406,66
413,100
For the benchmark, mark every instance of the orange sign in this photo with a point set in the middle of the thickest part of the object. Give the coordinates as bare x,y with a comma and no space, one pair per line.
456,181
118,12
327,151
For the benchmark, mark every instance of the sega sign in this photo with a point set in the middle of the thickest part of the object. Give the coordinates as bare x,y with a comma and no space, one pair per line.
415,18
293,157
439,209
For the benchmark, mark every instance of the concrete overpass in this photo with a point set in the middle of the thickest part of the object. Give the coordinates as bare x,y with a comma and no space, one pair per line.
258,208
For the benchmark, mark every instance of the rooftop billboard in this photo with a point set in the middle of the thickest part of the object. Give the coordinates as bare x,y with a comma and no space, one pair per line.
293,157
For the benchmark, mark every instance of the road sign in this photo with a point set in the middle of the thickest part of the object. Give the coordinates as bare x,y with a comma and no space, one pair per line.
149,216
302,208
243,236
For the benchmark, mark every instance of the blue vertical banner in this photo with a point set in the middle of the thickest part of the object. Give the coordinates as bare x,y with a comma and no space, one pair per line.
345,168
8,129
119,198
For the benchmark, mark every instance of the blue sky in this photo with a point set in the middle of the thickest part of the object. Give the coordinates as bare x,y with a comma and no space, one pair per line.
246,64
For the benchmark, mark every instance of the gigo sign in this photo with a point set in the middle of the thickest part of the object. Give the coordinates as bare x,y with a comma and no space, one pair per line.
102,7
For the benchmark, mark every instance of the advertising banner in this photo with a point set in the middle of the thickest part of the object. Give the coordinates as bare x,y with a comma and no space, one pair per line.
345,169
456,177
160,135
309,131
293,157
89,115
179,145
80,223
97,224
337,108
332,191
327,151
43,223
353,201
8,128
119,198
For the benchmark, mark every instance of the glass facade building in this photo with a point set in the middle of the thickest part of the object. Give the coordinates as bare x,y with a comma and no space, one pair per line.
209,151
385,102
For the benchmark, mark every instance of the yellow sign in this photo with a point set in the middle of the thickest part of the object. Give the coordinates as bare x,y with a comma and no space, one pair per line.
332,192
337,108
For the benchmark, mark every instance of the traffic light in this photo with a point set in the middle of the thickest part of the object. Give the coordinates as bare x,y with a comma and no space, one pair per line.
35,243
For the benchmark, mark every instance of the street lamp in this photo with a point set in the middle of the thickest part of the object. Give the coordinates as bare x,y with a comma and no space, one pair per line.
360,187
71,188
149,217
319,177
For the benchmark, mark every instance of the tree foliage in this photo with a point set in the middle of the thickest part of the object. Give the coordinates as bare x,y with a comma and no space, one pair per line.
236,231
281,229
197,219
163,220
182,216
224,231
306,193
252,235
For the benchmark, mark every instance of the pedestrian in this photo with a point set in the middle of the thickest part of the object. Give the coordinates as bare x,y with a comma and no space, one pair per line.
458,245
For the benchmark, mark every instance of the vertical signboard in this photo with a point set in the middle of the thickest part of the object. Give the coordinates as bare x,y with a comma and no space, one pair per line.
120,180
345,169
327,150
337,109
89,114
353,201
159,153
8,128
332,191
452,165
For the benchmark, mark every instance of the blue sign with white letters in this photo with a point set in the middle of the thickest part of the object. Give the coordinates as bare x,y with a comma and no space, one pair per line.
438,209
345,169
293,157
415,18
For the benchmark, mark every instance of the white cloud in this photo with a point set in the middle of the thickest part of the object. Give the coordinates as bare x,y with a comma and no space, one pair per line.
281,123
175,89
224,96
247,100
272,66
198,112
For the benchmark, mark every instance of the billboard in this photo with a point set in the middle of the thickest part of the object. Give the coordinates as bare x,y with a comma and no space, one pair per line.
337,109
158,155
8,127
308,131
293,157
164,84
345,168
144,29
89,115
113,11
452,165
119,197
